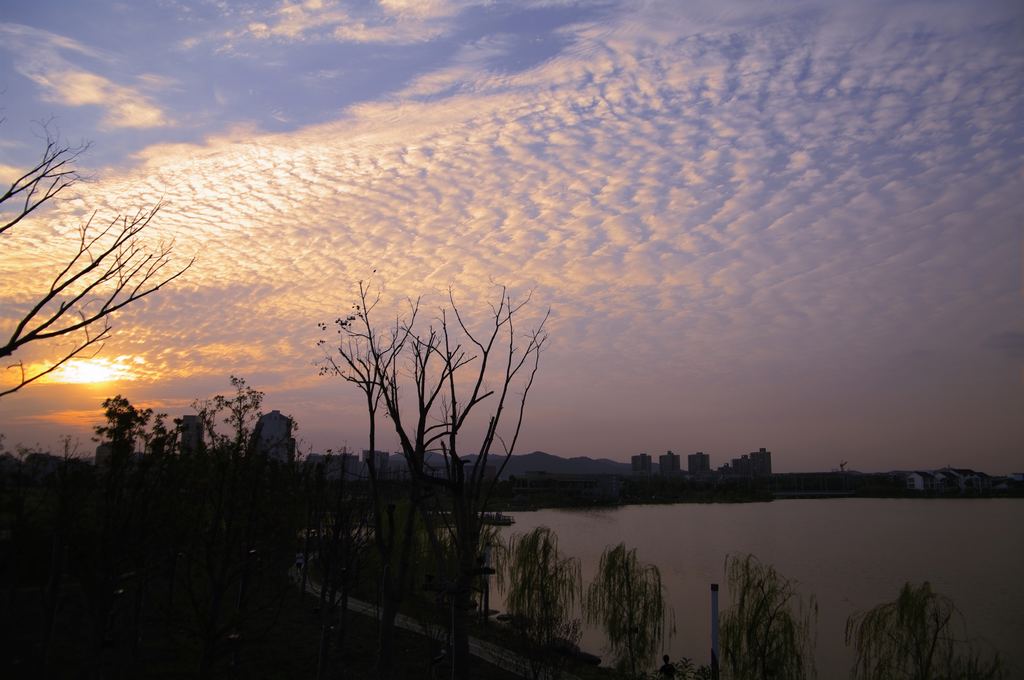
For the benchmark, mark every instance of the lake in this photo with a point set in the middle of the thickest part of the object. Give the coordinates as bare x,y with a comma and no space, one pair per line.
851,554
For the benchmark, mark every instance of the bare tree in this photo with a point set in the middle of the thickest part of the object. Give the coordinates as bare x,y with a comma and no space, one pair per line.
108,267
365,354
430,380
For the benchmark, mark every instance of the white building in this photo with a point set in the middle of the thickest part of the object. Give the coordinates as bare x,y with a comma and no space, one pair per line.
190,434
920,481
274,436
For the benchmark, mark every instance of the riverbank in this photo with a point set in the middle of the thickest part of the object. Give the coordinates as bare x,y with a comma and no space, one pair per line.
506,504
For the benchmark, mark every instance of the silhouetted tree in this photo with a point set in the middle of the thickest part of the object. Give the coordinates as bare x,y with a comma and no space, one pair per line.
70,491
338,528
105,537
627,599
107,267
239,511
767,632
919,636
365,354
430,379
125,425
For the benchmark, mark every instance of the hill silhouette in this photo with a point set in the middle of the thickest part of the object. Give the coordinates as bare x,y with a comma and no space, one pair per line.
540,461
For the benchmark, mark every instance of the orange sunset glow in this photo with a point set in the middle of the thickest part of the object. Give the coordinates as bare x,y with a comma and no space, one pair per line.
95,370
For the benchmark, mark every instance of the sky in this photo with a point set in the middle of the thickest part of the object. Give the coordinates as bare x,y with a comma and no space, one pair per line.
792,225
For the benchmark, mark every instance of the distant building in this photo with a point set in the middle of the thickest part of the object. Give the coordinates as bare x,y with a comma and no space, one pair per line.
338,464
273,436
761,463
641,464
698,463
920,481
190,434
755,464
668,464
965,479
740,466
103,454
944,480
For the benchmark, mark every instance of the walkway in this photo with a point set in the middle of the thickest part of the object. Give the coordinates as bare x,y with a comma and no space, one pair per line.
487,651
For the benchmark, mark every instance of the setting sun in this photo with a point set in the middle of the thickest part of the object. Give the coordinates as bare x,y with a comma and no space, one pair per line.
96,370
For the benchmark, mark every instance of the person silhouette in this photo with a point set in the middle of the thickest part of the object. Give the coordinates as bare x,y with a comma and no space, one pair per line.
667,670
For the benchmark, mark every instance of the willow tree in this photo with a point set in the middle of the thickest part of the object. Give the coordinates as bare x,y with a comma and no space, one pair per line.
767,632
627,599
542,589
919,636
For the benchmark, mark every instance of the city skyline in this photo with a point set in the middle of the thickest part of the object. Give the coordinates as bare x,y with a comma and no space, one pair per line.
797,227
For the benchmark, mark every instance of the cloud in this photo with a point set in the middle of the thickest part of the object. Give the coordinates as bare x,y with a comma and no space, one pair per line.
396,22
126,107
713,204
9,173
41,57
323,20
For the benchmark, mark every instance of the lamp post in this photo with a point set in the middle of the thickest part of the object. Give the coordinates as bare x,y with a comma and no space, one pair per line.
714,631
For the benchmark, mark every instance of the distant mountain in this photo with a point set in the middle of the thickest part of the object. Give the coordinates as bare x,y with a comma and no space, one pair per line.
539,461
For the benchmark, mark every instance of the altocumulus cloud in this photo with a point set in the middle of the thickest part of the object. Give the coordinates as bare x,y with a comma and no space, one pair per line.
716,194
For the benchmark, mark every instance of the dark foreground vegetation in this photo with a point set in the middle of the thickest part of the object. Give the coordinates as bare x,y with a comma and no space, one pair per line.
284,646
173,563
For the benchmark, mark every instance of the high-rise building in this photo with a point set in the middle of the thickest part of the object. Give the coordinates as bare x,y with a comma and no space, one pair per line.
102,455
755,464
698,463
761,463
668,463
641,464
273,436
741,466
190,434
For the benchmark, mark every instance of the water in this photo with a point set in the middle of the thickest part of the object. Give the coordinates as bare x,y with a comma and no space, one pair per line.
851,554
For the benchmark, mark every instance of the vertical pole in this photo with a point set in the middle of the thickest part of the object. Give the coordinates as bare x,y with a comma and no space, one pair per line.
714,631
487,584
451,632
